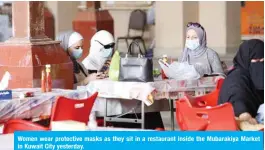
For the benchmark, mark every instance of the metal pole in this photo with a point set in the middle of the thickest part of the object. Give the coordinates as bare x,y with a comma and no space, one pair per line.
143,114
171,106
105,114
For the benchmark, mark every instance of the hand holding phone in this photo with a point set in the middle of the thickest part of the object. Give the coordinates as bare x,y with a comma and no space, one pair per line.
100,75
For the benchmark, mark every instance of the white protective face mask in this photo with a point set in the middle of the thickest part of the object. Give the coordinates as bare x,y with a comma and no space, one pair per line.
106,53
192,44
77,53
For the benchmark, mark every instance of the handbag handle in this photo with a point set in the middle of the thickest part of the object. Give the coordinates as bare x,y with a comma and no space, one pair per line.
131,45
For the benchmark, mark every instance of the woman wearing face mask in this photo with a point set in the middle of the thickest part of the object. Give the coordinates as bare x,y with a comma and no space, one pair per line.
205,60
72,43
244,85
101,49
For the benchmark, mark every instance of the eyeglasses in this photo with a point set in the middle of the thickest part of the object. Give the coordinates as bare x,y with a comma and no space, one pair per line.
195,24
111,45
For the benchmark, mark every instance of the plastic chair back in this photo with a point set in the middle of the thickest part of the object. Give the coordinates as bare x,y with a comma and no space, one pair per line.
64,109
72,109
215,118
137,20
21,125
187,121
210,99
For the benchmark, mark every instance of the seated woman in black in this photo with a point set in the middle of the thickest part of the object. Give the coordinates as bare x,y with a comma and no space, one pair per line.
244,85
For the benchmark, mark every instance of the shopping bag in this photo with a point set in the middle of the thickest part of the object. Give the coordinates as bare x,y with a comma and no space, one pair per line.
136,68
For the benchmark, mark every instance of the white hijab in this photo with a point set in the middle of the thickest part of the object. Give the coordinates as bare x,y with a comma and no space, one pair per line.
95,59
68,38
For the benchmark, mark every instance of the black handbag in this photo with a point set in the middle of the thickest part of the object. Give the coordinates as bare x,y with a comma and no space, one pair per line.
136,68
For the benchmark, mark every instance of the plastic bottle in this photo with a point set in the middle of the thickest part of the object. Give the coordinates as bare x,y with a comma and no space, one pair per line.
48,78
43,81
165,60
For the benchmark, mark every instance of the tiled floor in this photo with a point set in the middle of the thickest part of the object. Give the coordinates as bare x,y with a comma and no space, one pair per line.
166,117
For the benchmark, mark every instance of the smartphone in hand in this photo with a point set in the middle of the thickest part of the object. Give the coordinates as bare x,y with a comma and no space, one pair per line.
100,75
92,71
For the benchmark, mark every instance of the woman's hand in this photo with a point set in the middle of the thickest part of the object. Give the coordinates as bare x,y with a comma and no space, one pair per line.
94,76
247,117
100,75
91,77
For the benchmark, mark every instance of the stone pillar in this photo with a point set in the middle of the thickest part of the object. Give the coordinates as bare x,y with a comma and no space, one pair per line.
26,54
49,24
91,19
222,23
170,31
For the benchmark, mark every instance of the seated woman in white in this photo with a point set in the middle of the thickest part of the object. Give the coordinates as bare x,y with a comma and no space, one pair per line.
101,50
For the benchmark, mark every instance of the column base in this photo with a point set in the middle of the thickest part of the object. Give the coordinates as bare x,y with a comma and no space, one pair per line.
25,59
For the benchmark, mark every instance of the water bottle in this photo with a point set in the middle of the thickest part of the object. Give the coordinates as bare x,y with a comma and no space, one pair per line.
165,60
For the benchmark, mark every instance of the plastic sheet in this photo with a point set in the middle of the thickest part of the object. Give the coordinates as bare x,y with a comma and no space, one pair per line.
120,94
34,107
179,71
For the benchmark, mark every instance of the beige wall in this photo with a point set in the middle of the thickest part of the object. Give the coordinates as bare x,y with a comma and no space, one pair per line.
212,15
233,24
190,10
64,13
222,23
171,20
121,22
169,28
220,19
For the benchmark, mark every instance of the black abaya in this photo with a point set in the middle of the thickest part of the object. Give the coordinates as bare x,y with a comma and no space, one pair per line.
238,90
244,85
